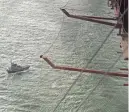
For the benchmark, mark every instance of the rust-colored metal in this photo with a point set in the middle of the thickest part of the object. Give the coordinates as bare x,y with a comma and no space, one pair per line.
125,84
92,19
96,17
126,69
83,70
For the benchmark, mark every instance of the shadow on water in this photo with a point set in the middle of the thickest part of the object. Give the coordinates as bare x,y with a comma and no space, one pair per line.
18,75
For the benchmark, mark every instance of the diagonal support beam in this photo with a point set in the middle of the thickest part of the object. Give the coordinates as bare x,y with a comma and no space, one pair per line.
125,84
91,19
125,69
83,70
97,17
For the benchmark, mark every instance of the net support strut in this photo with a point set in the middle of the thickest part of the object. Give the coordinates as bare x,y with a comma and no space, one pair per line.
83,70
93,19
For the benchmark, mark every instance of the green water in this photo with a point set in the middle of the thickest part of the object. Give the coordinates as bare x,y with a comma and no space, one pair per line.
30,28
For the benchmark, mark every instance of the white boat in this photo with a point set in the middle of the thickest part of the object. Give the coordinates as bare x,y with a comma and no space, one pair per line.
17,68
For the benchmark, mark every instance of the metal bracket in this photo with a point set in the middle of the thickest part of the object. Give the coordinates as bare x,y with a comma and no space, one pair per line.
94,19
83,70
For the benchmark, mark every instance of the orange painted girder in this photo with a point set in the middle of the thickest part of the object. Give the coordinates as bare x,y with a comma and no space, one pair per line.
92,19
83,70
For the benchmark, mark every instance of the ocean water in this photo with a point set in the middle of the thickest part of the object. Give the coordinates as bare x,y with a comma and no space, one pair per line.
30,28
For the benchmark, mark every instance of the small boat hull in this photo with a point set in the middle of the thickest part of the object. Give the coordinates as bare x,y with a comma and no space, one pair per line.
14,71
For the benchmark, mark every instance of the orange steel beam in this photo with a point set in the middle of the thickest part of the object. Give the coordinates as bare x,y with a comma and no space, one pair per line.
96,17
83,70
126,69
125,84
91,19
